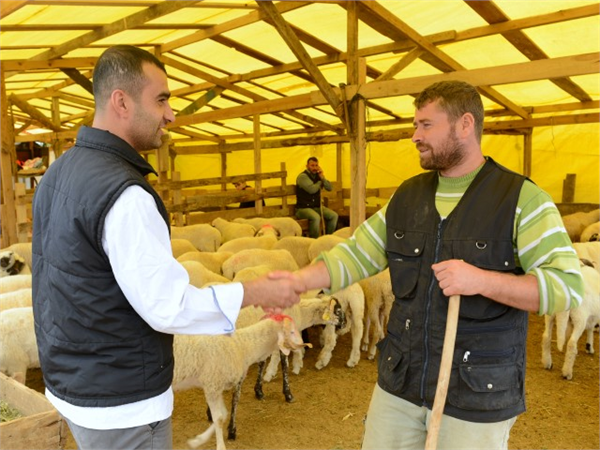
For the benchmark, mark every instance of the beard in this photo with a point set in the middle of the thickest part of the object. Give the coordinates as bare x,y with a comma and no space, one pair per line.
447,155
145,133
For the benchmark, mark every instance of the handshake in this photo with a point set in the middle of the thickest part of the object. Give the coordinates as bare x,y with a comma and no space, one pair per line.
279,290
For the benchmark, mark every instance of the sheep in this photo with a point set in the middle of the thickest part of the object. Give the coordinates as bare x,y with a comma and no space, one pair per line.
200,275
275,259
577,222
322,244
15,299
378,300
14,283
250,273
344,233
18,351
181,246
265,242
23,249
219,363
286,226
589,251
582,318
233,230
591,233
203,236
297,246
12,264
213,261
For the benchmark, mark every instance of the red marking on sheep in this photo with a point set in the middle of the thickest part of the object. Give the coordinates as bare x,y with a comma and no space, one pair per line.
277,317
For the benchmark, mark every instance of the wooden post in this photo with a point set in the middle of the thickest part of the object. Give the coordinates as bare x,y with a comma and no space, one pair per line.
282,167
8,160
527,152
21,211
162,157
569,188
257,162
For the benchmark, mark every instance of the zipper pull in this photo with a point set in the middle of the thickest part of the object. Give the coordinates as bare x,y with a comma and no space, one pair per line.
466,356
407,324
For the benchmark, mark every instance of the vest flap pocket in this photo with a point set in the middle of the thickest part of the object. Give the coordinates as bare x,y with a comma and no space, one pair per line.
489,378
405,243
391,367
485,253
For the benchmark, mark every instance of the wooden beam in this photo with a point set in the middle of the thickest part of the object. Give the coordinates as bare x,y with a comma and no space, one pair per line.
79,78
33,112
202,101
8,7
300,52
8,160
401,64
67,63
584,64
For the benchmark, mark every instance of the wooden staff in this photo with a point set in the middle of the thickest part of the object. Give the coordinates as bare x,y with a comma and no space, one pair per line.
444,377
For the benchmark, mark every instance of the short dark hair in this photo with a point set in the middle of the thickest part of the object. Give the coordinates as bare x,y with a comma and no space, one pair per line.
121,67
312,158
456,98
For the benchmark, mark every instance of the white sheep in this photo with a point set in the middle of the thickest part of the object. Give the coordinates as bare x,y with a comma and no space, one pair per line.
275,259
14,283
589,251
286,226
11,263
219,363
15,299
576,222
23,249
265,242
591,233
378,300
297,246
233,230
203,236
344,232
200,276
251,273
181,246
323,244
18,351
582,318
213,261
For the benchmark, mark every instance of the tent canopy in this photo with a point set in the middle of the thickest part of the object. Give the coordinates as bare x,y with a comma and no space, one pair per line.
229,61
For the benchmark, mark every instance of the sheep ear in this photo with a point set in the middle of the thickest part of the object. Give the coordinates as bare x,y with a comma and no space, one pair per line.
281,342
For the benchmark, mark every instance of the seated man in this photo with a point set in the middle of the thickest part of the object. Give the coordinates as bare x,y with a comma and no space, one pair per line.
308,203
242,186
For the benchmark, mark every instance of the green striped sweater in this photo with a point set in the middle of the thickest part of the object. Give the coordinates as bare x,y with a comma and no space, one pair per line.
542,245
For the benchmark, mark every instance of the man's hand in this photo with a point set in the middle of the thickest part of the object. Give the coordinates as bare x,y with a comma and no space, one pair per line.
457,277
274,294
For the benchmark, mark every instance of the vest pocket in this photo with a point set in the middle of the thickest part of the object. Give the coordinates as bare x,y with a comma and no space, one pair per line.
392,365
404,249
487,381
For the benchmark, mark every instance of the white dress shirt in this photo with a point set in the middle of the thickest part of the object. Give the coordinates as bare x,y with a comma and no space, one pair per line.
137,243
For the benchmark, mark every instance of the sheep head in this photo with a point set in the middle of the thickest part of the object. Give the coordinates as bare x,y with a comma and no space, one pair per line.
10,263
288,337
335,315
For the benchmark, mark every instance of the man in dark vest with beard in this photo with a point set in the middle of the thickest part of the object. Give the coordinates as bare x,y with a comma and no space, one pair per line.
308,199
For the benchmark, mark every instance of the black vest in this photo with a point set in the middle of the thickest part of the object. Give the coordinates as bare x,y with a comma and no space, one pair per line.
95,350
488,368
306,200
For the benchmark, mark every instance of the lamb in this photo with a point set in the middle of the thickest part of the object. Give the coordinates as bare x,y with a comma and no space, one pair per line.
12,264
577,222
200,275
322,244
250,273
265,242
203,236
181,246
233,230
589,251
213,261
14,283
18,351
591,233
275,259
15,299
23,249
219,363
378,299
297,246
582,318
344,233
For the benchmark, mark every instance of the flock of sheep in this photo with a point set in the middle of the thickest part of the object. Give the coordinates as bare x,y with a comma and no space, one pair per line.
242,249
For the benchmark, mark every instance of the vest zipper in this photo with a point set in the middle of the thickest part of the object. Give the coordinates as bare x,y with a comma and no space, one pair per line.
436,255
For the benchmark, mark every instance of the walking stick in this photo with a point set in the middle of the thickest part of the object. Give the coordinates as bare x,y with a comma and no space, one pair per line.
322,216
444,376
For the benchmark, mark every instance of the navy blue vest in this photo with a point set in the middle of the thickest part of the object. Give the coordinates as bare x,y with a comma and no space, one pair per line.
306,200
488,369
95,350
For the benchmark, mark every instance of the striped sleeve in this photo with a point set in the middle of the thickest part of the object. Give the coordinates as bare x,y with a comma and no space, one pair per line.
360,256
545,251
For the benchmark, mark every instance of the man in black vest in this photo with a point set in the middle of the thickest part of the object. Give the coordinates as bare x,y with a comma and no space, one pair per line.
308,199
107,293
469,227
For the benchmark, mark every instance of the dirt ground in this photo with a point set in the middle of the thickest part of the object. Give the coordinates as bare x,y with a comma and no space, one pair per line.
330,404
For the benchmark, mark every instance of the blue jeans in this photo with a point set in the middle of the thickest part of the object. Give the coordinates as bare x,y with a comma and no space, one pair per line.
154,436
314,217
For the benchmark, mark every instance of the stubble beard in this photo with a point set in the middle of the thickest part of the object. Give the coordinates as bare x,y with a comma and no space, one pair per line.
448,155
